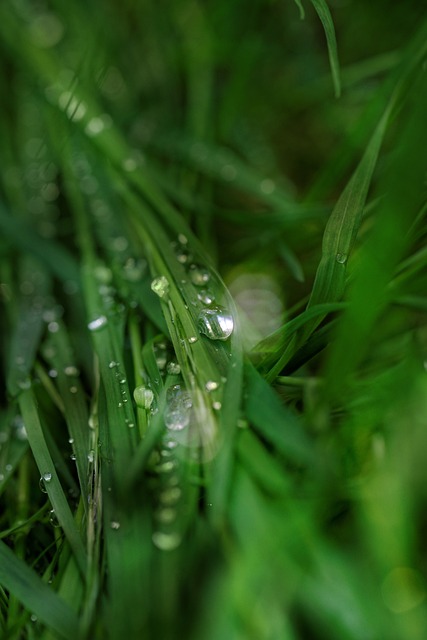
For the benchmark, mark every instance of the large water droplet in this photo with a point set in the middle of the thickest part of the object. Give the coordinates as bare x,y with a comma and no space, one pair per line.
166,541
341,258
199,275
177,418
97,323
44,480
143,397
216,324
160,286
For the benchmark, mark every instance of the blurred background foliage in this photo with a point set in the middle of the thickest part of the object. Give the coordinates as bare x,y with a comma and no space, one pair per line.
124,126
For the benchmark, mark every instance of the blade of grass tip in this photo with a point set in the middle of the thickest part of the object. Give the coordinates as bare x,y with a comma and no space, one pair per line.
342,227
403,185
264,354
49,476
324,14
36,596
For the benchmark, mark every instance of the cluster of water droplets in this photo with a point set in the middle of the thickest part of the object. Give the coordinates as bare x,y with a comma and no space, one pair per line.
213,321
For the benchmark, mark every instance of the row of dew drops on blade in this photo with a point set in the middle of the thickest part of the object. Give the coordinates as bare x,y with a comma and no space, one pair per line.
214,322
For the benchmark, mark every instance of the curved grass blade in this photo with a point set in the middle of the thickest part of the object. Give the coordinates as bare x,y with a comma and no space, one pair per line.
324,14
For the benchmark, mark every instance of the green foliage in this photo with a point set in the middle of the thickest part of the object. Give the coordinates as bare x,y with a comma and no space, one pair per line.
213,327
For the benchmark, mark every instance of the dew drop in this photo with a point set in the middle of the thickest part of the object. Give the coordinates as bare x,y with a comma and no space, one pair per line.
192,339
115,525
97,323
44,480
199,275
165,515
176,419
73,457
53,519
341,258
71,371
160,286
267,186
143,397
113,364
182,238
73,389
211,385
170,496
216,405
216,324
173,369
166,541
206,296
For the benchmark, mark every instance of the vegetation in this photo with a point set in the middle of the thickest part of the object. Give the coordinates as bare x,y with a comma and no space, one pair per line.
213,327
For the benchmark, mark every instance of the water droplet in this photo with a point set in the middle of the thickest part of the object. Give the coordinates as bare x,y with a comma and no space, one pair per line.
341,258
103,274
173,369
44,480
216,324
91,456
170,496
97,323
115,525
24,384
216,405
242,423
129,164
53,519
160,286
199,275
166,467
73,389
176,419
133,270
182,238
143,397
166,541
228,172
183,256
33,617
96,125
71,440
8,468
165,515
192,339
267,186
113,364
211,385
71,371
206,296
73,457
53,327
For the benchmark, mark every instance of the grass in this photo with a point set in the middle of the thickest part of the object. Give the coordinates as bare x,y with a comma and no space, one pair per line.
212,277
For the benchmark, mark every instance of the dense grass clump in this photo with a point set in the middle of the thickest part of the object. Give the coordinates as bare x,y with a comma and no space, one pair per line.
213,327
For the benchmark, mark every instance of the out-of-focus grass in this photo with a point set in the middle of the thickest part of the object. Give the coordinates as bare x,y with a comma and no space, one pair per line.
197,151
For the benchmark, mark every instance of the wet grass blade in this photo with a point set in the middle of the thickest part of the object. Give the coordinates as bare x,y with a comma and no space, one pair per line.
24,583
46,468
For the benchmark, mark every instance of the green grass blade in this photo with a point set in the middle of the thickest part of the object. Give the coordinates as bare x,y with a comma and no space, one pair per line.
46,465
24,583
324,14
